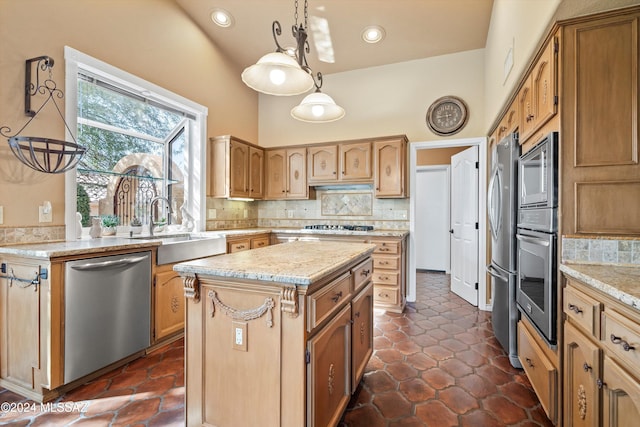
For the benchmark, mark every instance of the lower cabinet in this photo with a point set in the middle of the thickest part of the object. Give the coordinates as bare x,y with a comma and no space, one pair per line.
247,242
602,359
168,303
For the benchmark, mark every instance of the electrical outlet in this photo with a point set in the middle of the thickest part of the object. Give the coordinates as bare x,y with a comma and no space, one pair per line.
211,214
1,215
45,215
239,336
246,213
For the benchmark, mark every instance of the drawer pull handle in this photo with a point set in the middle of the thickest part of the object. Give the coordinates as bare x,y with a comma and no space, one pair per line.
529,362
575,308
384,249
365,272
586,367
384,277
625,345
385,295
336,297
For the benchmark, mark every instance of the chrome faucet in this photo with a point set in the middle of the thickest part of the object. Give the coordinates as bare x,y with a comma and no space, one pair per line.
154,200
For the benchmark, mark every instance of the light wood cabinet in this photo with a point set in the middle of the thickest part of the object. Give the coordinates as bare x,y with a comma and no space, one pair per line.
599,131
168,303
540,370
247,242
602,362
286,171
236,168
509,122
389,270
537,98
306,345
389,167
343,163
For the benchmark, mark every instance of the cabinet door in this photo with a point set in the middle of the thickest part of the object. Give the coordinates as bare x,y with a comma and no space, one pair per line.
256,173
297,174
621,396
355,161
329,371
361,333
323,163
581,371
527,110
20,314
544,85
389,168
276,174
239,165
169,304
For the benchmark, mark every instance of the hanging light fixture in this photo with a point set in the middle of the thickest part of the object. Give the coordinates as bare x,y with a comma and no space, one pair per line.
286,72
318,107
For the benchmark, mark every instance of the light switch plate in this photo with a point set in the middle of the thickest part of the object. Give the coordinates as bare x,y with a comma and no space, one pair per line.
1,215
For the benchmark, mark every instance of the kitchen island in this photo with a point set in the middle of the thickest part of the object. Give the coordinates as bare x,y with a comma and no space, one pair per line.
277,336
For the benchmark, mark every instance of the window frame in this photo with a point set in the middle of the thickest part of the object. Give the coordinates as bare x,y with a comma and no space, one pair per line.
195,182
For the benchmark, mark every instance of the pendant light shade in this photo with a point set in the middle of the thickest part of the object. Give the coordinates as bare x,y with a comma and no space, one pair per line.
279,74
317,107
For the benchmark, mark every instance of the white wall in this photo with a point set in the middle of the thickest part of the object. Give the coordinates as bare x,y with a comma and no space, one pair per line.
385,100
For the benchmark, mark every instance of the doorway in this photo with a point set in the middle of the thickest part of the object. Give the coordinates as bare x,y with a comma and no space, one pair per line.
415,148
432,230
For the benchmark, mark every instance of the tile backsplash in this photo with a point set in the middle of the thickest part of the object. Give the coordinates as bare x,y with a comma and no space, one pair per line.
601,250
13,235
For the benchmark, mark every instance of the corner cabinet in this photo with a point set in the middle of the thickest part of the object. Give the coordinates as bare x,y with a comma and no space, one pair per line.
295,353
601,359
390,159
236,168
286,172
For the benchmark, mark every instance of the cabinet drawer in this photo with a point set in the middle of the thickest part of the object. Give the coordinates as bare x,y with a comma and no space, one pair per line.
238,246
386,262
386,247
541,372
362,274
259,242
386,294
583,310
323,303
386,277
622,337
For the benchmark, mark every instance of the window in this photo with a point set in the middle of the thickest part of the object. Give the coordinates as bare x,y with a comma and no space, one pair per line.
142,142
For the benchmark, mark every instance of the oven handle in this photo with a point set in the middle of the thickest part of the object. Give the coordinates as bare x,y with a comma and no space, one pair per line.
532,240
495,273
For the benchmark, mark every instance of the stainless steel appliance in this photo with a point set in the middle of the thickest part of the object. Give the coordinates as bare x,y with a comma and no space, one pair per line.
502,205
536,292
107,311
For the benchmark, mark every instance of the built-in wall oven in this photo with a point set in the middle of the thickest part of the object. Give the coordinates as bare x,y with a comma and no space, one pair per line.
536,291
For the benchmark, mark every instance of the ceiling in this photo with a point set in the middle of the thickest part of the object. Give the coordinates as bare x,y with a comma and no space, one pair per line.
414,29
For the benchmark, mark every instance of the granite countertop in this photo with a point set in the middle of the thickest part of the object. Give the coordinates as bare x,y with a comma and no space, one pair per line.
619,282
77,247
297,263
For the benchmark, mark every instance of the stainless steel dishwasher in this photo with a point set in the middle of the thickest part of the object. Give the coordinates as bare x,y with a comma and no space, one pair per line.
107,311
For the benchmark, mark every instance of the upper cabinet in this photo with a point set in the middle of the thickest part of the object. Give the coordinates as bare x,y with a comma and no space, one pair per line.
599,132
236,168
389,167
286,172
509,122
537,99
344,162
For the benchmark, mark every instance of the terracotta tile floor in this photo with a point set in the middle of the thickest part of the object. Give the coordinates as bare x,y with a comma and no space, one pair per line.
437,364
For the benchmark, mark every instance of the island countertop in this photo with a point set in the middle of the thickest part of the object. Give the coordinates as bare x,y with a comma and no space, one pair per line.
298,263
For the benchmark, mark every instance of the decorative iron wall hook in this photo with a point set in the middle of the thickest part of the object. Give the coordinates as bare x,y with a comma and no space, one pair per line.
43,154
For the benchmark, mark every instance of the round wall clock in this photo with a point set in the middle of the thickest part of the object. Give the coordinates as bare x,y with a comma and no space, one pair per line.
447,115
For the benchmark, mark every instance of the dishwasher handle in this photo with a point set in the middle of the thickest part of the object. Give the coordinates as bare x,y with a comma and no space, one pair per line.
109,264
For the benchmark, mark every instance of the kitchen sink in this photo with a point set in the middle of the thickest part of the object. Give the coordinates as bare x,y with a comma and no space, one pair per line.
186,246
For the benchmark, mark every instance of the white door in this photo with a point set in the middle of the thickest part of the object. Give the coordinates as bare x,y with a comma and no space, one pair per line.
464,223
433,218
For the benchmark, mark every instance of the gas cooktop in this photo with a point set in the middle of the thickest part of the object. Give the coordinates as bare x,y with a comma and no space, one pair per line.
339,227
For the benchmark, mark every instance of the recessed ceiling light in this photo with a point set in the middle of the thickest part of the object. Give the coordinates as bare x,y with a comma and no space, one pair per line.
222,18
373,34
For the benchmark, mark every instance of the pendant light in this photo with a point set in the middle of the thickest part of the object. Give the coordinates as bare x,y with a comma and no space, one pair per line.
317,107
286,72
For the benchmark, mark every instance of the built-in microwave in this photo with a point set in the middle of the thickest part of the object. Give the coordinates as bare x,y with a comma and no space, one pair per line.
538,174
